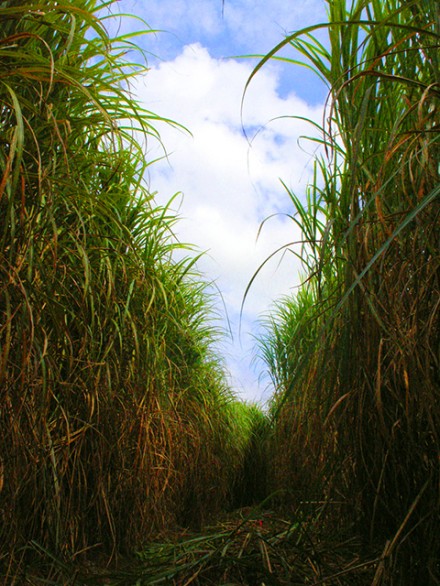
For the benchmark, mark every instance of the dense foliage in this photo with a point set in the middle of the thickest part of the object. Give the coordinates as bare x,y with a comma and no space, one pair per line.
116,420
355,355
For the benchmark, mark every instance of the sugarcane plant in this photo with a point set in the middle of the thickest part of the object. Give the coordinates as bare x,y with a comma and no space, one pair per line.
115,414
354,355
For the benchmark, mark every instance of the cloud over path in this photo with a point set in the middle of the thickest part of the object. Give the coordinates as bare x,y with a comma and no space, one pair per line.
231,181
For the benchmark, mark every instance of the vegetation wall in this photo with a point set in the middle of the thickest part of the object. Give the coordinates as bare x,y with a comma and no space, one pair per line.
355,355
115,413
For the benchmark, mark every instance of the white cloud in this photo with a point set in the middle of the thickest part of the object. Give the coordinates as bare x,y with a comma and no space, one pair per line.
229,185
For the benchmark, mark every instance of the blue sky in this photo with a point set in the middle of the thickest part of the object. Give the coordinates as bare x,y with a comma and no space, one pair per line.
231,182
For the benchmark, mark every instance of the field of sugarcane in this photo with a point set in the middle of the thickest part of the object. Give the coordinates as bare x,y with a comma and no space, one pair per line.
125,458
355,355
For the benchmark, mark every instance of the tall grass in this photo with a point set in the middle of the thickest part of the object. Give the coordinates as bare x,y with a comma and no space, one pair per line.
115,414
355,356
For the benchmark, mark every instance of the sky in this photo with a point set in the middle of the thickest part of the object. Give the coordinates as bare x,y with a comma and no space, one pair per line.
229,166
